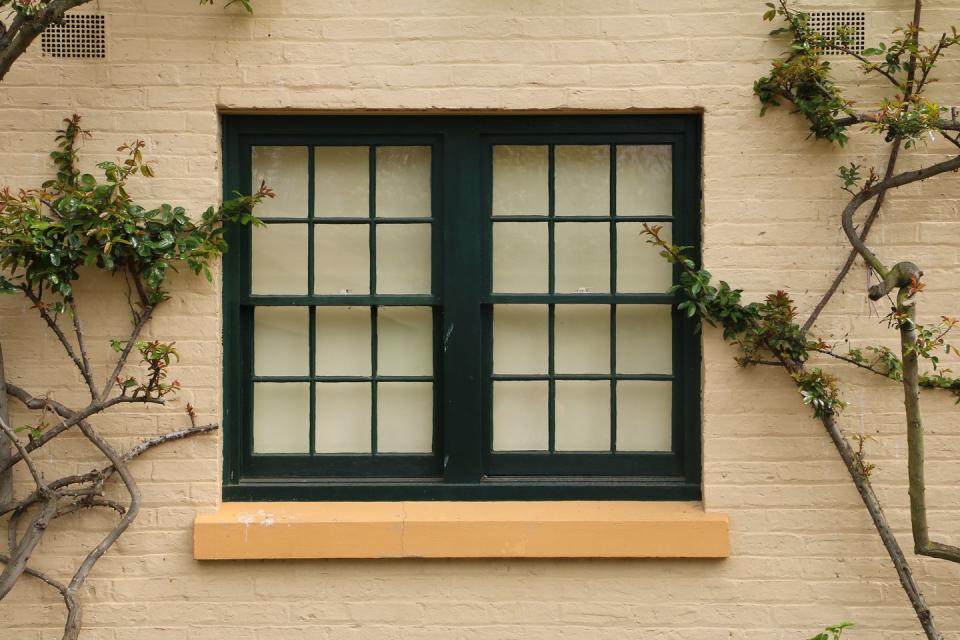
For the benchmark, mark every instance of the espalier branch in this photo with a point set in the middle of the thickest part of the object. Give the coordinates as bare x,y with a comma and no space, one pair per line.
50,237
769,333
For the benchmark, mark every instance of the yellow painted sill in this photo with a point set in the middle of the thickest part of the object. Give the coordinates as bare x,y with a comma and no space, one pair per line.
291,530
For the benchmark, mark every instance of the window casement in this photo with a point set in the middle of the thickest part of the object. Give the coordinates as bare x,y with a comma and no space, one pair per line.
460,308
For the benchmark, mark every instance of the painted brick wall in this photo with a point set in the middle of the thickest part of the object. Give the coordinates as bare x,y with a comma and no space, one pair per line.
804,552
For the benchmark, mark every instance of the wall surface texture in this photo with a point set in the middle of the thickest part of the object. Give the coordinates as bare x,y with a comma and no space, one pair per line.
804,551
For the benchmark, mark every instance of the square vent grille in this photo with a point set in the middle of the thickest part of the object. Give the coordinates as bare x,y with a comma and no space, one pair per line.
80,35
826,22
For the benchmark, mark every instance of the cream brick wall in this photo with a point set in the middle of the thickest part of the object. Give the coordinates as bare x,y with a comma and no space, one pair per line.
804,552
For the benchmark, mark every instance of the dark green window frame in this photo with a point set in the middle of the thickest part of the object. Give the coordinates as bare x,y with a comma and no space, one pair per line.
463,465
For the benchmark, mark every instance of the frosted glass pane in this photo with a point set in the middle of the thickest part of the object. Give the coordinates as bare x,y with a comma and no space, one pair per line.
582,338
284,169
520,257
520,338
644,339
341,182
520,180
582,257
403,258
403,181
405,417
279,259
343,417
343,341
644,410
582,415
644,180
640,267
341,259
520,416
405,341
281,344
582,180
281,417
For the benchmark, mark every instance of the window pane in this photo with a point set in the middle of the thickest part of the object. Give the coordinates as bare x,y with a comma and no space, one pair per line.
520,416
281,417
644,415
520,339
520,257
582,415
520,180
640,267
644,180
644,339
582,339
341,259
343,341
341,182
582,180
284,169
403,181
279,259
583,257
281,345
405,417
403,258
343,417
405,341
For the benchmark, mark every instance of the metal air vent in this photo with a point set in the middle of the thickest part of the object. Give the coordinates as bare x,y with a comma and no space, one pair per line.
826,22
80,35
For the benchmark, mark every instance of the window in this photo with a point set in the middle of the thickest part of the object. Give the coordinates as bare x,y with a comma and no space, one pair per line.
460,307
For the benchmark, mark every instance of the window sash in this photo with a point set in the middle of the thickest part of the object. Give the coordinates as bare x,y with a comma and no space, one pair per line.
463,465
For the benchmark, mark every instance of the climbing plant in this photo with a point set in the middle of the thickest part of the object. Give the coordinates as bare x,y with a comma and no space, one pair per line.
769,332
50,237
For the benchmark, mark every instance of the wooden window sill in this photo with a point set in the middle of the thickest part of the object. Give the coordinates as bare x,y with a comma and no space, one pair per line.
574,529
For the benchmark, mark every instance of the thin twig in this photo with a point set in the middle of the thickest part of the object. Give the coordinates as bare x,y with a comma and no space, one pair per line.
954,141
34,472
127,348
81,345
853,361
64,341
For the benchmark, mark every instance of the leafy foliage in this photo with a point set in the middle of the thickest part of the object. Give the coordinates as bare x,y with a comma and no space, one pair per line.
832,632
157,357
802,78
75,220
819,391
759,330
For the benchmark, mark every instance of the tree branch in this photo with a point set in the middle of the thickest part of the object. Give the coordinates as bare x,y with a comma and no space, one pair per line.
866,194
23,31
71,417
866,117
72,626
852,256
56,584
31,538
